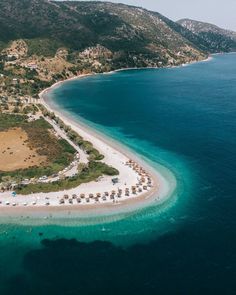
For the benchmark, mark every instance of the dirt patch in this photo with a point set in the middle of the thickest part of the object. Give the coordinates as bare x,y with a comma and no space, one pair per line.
15,152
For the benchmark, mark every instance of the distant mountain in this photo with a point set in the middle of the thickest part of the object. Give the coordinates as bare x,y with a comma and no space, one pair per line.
214,38
132,36
62,38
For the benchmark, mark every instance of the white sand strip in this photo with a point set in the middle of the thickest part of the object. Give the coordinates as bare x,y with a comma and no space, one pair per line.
116,156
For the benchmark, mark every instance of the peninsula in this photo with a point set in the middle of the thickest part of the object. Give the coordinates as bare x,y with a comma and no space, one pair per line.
94,171
48,160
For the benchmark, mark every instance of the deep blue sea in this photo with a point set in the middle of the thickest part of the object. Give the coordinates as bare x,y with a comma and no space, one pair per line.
181,118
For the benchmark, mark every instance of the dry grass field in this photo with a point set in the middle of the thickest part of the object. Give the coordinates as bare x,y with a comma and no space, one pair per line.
15,152
31,149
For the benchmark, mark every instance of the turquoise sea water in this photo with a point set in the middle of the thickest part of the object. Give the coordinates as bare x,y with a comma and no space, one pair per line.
183,119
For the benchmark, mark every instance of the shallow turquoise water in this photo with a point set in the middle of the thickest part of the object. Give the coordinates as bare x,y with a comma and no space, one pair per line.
185,120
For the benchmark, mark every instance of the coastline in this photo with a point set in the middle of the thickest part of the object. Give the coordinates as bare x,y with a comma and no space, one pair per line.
163,181
161,187
160,191
209,58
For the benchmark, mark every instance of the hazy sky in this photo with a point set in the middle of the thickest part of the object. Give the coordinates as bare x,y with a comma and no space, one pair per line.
219,12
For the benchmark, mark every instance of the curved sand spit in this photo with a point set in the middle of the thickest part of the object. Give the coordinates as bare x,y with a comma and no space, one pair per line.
152,187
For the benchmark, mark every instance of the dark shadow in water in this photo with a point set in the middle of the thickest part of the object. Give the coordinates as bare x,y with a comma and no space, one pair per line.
178,263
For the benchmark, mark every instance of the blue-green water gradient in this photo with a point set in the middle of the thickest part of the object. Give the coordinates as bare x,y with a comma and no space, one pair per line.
183,119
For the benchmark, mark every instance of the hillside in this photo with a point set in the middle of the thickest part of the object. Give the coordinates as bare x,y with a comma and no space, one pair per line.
215,39
134,35
42,42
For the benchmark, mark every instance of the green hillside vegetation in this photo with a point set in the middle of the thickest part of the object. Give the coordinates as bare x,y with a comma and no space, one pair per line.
125,30
43,46
66,38
43,42
215,39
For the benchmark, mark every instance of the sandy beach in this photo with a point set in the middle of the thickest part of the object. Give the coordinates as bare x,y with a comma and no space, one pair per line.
41,205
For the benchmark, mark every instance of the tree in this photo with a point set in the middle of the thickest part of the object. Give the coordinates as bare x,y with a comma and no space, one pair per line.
7,182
